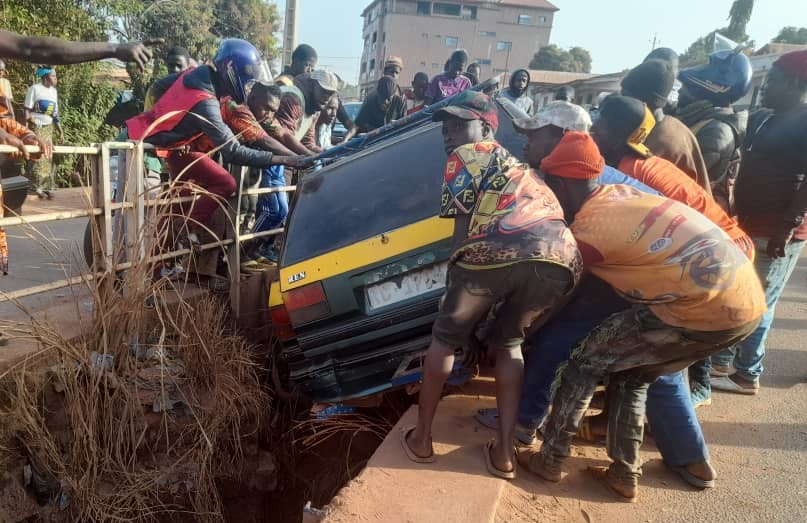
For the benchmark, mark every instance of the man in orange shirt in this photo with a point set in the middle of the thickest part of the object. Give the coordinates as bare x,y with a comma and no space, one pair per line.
620,131
694,292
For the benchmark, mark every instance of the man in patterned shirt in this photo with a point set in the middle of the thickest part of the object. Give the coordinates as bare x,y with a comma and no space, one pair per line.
512,253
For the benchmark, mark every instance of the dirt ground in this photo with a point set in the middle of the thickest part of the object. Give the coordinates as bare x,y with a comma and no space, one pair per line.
758,446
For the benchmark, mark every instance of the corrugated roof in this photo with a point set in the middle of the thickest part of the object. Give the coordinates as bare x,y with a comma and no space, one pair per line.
556,77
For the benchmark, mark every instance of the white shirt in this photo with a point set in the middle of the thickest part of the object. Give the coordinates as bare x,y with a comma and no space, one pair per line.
43,102
324,136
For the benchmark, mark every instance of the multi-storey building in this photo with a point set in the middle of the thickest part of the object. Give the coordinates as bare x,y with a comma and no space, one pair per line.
500,35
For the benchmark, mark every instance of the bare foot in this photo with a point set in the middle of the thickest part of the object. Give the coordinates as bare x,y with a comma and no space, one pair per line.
702,470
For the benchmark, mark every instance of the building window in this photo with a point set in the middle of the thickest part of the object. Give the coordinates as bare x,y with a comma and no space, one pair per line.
372,65
469,12
524,20
435,65
504,46
375,37
490,34
363,67
424,8
383,37
542,19
483,61
424,35
452,41
440,8
499,71
590,98
423,64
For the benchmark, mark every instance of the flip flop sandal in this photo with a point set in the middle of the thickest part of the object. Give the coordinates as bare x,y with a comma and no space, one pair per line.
601,475
499,473
405,431
490,418
692,479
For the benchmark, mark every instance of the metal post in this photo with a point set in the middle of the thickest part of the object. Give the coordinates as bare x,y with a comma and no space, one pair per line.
235,248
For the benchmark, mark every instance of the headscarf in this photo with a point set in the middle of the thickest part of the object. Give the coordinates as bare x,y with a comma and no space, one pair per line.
43,71
794,64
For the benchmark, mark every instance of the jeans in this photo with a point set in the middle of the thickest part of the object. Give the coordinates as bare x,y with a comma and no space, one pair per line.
670,412
747,356
632,349
273,207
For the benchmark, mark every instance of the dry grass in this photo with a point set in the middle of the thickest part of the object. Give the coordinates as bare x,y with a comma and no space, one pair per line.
102,436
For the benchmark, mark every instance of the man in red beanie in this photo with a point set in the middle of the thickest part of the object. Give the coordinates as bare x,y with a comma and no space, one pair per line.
513,256
694,292
771,200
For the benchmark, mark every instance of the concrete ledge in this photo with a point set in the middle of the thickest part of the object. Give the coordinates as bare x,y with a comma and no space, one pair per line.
456,488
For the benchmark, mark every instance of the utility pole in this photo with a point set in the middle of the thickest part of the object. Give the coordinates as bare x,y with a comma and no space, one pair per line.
653,44
289,31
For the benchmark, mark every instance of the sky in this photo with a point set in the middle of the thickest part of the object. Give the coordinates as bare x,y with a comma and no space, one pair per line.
618,36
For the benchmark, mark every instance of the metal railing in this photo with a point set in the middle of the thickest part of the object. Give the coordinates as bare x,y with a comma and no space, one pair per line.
132,206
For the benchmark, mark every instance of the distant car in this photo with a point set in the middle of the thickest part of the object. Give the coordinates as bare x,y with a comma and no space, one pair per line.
339,130
364,264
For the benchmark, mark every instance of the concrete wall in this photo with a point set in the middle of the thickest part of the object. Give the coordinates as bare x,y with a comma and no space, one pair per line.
426,42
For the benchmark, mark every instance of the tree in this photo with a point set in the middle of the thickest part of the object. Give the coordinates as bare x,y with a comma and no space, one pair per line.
252,20
792,35
553,58
739,16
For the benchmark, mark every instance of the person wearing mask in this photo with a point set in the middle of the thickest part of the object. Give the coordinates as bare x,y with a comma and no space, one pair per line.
299,110
565,94
452,81
771,200
6,96
651,82
705,106
520,259
393,67
373,112
694,292
192,98
517,92
474,73
42,115
670,412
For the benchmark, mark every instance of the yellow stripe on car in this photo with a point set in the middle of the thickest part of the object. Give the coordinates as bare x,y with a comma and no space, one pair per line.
363,253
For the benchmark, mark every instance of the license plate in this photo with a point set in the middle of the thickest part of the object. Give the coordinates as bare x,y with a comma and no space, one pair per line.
409,285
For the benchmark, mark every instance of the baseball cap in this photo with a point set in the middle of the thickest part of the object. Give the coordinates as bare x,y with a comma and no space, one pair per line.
560,113
629,118
470,105
325,79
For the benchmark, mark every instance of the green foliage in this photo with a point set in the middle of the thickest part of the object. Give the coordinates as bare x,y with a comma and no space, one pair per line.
553,58
739,16
252,20
792,35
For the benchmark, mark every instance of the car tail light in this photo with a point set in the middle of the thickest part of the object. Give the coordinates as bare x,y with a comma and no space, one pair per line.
281,324
306,304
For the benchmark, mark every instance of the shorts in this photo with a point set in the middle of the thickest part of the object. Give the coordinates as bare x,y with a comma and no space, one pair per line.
519,295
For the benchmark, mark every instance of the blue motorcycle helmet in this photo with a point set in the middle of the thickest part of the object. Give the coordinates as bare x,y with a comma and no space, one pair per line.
722,81
238,65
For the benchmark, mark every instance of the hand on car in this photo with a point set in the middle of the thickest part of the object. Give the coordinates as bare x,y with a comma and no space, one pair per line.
291,161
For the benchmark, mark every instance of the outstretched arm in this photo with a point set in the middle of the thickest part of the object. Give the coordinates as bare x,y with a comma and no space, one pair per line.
61,52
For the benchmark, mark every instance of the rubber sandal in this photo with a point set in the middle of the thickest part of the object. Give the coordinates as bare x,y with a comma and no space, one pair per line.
601,475
490,418
405,431
692,479
3,339
494,471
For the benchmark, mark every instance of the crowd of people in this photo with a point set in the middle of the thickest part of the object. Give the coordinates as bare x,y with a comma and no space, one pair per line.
623,251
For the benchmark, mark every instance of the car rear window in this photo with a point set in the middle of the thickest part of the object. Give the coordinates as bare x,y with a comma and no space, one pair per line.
394,184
